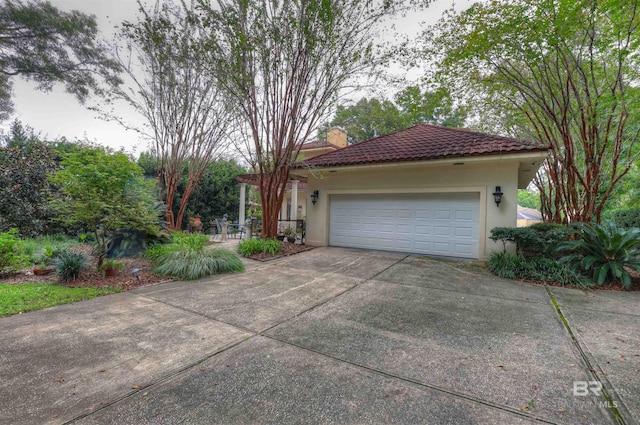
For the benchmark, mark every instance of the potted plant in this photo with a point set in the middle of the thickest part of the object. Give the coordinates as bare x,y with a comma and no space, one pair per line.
290,234
111,268
196,223
41,268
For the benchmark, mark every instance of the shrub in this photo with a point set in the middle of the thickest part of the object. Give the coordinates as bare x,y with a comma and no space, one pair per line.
192,264
43,249
537,241
179,241
624,218
509,266
189,240
605,250
11,256
69,264
248,247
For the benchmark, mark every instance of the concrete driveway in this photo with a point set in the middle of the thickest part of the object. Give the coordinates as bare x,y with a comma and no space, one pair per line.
329,336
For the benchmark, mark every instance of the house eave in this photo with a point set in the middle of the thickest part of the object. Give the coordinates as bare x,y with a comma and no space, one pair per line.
469,160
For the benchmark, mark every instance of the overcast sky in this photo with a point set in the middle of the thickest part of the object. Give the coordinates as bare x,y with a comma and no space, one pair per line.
57,114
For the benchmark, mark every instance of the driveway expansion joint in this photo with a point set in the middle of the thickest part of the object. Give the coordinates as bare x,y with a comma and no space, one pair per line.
411,381
160,380
614,407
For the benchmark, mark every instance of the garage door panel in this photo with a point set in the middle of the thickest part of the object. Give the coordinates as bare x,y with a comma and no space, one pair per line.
439,224
422,230
463,249
464,232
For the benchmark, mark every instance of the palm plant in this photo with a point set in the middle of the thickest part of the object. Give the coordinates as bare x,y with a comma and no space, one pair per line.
605,250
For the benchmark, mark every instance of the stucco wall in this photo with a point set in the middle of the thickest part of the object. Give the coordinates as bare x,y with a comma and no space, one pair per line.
476,178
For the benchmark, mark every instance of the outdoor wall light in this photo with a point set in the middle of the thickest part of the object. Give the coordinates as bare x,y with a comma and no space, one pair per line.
314,197
497,195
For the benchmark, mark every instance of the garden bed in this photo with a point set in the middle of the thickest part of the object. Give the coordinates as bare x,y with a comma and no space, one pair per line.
287,249
91,277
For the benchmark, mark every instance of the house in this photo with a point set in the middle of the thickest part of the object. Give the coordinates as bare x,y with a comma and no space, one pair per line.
528,216
427,189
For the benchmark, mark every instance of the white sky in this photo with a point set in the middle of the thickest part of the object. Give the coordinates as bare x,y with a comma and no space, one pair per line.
57,113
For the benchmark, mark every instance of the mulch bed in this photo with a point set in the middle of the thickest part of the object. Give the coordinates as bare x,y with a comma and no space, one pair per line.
92,278
287,249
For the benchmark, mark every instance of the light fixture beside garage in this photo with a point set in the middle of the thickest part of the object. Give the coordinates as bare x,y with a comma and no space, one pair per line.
497,195
314,197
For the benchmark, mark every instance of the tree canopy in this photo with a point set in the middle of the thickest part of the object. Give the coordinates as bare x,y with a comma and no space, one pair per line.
104,191
563,72
374,117
25,163
283,64
187,116
39,42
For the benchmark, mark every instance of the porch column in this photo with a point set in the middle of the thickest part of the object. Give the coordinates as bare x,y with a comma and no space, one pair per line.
243,193
294,200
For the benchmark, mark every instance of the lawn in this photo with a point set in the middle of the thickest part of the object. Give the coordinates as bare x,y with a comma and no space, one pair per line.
25,297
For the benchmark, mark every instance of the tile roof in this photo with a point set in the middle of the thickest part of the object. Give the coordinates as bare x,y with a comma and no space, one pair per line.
318,145
420,143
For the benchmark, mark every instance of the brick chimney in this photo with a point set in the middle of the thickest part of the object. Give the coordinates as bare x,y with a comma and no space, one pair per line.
337,136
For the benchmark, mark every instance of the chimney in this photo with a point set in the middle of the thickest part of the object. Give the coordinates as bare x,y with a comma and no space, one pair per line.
337,136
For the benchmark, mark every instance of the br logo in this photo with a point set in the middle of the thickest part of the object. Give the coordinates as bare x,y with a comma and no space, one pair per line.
583,388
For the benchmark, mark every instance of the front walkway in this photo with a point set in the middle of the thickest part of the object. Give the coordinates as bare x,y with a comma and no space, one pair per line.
329,336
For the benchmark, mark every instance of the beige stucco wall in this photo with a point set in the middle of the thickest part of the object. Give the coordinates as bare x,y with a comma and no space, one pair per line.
302,205
481,178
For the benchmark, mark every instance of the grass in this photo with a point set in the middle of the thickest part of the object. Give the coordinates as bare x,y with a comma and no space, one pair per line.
25,297
193,264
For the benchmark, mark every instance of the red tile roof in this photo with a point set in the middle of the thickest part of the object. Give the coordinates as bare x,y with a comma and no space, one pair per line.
318,145
422,142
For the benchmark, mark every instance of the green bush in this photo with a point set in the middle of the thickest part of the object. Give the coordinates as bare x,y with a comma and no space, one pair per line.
605,251
45,248
178,241
69,264
537,241
546,270
192,264
11,255
624,218
189,240
248,247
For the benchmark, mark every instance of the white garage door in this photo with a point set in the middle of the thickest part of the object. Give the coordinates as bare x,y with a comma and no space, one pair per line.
436,224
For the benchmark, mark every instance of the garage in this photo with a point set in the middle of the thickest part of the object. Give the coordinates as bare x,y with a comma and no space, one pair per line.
436,224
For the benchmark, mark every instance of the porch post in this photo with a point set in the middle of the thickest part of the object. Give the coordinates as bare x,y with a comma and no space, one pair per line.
243,193
294,200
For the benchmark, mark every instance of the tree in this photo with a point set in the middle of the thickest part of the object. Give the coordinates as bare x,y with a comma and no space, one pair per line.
373,117
283,64
104,192
568,71
367,119
187,116
39,42
218,192
430,107
25,163
528,199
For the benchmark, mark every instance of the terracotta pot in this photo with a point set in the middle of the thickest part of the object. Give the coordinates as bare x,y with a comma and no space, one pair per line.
43,272
110,271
